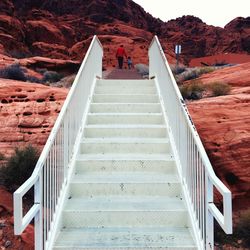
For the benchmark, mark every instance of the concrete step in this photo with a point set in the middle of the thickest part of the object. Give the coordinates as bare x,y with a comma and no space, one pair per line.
125,108
125,118
124,212
129,98
125,183
147,131
125,90
125,83
127,238
105,164
124,145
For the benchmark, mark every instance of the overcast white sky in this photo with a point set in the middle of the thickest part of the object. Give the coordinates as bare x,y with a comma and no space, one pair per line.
212,12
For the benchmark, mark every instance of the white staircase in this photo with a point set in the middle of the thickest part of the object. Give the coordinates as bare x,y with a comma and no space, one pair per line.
123,168
125,192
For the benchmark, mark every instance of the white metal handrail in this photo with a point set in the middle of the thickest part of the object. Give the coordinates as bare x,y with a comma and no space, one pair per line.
51,173
198,177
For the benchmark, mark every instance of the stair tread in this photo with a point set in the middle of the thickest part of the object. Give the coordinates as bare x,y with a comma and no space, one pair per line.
124,126
97,94
126,237
125,177
125,114
142,157
125,203
126,103
125,80
125,140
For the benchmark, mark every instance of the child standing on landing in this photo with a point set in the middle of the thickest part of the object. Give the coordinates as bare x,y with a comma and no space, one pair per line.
129,62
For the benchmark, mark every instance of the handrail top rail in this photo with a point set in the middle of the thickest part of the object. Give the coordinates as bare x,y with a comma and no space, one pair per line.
216,181
35,174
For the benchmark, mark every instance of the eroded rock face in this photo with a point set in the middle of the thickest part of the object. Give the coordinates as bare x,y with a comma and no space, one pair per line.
223,124
27,113
236,76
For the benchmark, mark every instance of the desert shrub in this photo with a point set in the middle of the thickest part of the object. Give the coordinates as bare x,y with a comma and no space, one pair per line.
14,72
142,69
219,88
193,90
191,74
41,70
33,79
19,167
178,70
205,70
51,76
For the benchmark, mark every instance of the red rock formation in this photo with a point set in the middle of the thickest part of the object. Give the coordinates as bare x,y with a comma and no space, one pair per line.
199,39
55,28
43,31
6,7
236,76
220,59
241,25
27,113
223,124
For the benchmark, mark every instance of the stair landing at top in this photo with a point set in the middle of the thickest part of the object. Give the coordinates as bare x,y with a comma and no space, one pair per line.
124,74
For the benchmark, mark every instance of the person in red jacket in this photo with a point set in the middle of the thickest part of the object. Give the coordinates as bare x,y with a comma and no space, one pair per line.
120,53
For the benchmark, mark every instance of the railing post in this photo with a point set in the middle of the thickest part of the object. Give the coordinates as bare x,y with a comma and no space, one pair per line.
209,216
38,192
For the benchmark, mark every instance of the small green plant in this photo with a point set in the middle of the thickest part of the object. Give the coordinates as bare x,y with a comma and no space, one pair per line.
19,167
219,88
51,76
193,90
14,72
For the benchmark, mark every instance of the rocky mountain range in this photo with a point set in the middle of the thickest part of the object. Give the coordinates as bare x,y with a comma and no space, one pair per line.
62,29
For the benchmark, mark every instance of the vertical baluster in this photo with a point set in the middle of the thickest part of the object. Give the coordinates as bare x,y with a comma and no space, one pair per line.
203,202
59,163
195,181
44,202
50,190
55,171
192,176
47,195
188,162
200,197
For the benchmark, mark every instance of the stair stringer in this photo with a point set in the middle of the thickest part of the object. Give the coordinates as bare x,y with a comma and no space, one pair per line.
187,200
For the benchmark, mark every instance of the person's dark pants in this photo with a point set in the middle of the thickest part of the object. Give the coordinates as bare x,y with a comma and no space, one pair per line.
120,62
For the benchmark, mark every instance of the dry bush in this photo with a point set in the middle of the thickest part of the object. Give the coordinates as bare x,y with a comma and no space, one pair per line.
219,88
193,90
